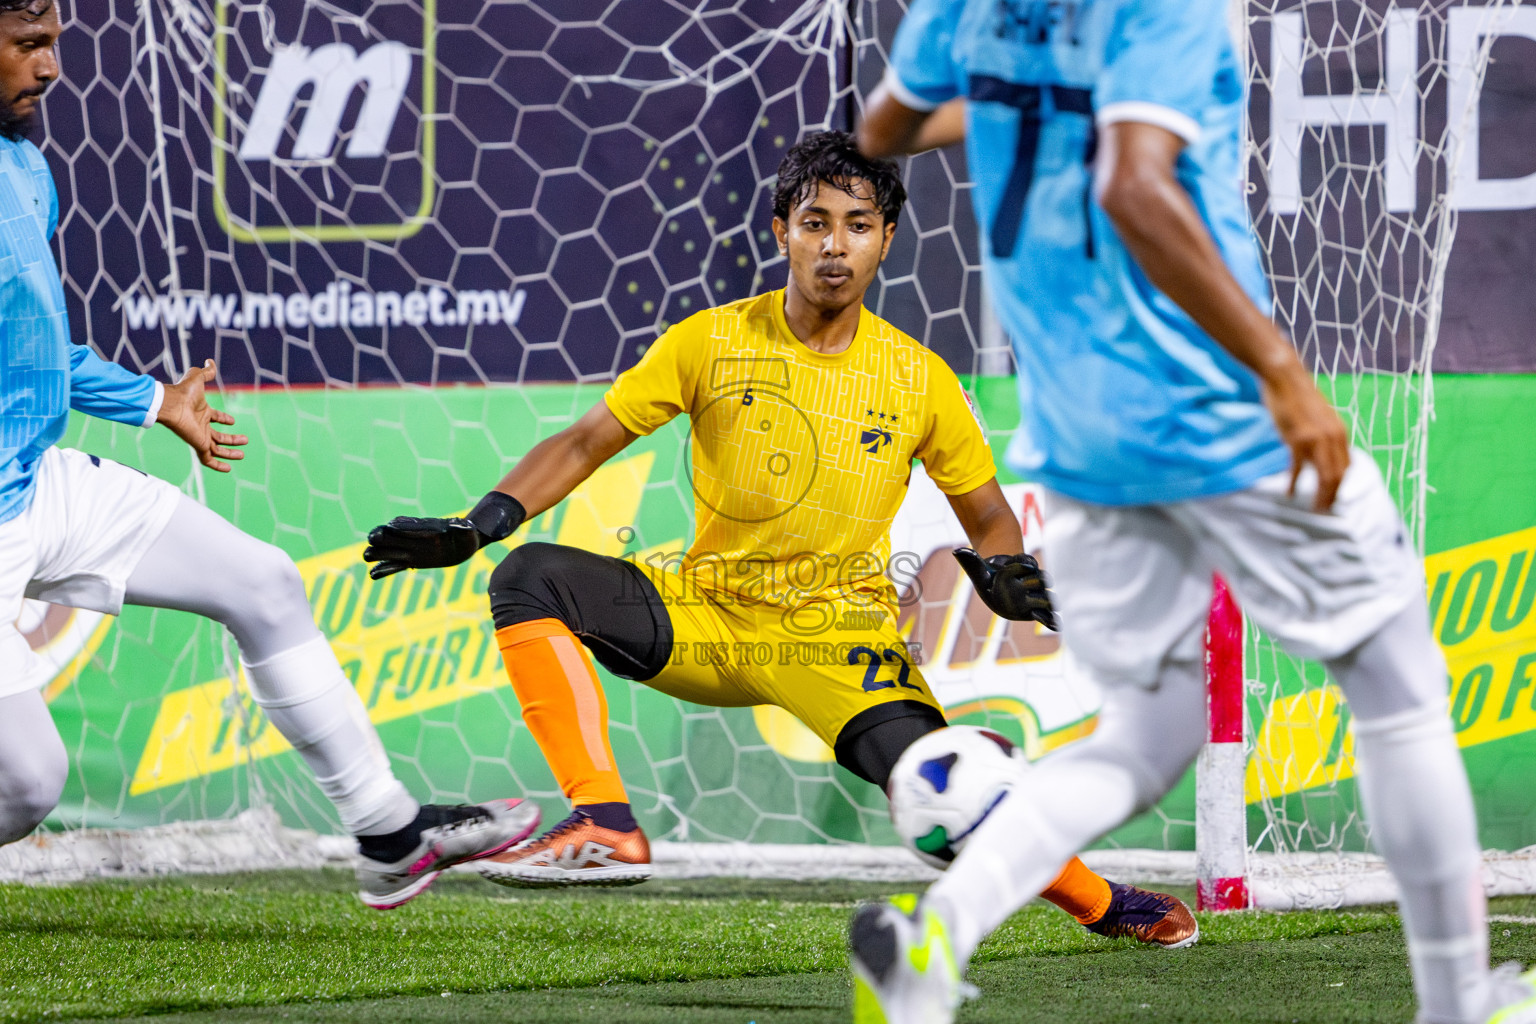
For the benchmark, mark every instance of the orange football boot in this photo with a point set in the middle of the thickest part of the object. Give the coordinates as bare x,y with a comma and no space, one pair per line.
1151,917
577,851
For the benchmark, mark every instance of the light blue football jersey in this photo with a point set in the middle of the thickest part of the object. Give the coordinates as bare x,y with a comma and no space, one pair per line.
43,375
1124,399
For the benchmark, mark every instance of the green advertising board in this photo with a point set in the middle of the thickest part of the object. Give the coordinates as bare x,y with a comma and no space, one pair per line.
160,727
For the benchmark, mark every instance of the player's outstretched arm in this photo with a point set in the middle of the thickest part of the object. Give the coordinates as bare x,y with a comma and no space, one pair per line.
1154,216
890,128
1010,582
185,410
541,479
557,465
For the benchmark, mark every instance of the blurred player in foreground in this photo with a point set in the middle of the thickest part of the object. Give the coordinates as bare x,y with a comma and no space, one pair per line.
1177,434
81,531
807,411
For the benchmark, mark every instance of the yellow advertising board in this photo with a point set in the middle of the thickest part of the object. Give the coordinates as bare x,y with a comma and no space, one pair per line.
1480,602
409,643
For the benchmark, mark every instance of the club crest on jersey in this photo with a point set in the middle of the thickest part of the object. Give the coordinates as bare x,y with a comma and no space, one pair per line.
875,436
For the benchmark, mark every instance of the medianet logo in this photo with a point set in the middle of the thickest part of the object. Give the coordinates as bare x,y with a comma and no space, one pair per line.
265,187
335,71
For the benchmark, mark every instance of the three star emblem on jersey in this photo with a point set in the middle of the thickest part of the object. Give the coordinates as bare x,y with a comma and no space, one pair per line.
875,436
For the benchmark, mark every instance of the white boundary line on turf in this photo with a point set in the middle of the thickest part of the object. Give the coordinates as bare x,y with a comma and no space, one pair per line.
1510,919
257,840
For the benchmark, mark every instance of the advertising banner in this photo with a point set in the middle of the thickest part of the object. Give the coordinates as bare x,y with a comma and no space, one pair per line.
401,191
1379,130
389,191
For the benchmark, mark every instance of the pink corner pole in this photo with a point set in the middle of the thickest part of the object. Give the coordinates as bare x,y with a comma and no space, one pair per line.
1224,666
1221,813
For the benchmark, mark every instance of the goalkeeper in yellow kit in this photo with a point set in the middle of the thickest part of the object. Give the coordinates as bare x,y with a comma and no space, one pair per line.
807,411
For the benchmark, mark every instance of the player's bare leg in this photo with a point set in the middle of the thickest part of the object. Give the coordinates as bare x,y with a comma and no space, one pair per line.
203,564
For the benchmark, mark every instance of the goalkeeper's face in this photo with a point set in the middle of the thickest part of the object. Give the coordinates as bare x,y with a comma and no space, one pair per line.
835,239
28,63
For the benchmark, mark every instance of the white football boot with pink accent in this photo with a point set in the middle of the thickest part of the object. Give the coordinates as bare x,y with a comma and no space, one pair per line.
466,832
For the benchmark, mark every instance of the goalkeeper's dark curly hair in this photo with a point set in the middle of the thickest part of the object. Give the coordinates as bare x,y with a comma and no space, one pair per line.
29,9
834,158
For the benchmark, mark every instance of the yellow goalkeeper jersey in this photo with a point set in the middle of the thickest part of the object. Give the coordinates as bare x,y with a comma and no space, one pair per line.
799,460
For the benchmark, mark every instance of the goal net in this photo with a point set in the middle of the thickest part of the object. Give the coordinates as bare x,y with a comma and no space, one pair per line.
418,237
1363,130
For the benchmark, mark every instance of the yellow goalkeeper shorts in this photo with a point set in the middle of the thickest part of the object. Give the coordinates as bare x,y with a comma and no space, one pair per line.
824,662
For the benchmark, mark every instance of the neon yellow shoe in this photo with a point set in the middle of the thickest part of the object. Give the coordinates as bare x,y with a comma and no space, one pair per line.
904,969
1514,994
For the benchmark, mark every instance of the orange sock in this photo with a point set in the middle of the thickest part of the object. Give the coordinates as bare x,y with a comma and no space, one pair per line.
1079,892
564,707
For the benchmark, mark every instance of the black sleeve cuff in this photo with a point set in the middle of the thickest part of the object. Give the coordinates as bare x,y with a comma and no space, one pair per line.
496,516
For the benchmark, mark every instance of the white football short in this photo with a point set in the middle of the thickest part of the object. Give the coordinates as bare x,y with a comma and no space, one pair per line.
1133,584
90,523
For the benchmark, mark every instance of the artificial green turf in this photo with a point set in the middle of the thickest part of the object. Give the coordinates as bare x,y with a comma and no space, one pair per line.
299,947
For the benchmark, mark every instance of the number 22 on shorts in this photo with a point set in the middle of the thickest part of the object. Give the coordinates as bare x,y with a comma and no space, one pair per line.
873,661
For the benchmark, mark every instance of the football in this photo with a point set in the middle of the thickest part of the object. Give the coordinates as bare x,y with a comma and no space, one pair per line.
946,784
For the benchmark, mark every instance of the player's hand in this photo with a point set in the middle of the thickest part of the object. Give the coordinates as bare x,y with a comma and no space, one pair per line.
1312,430
1013,586
185,410
409,542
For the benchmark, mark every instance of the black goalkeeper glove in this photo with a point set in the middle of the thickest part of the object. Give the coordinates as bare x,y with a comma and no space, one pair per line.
412,542
1013,586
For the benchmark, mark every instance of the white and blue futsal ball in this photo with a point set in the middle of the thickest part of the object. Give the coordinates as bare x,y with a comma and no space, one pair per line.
946,784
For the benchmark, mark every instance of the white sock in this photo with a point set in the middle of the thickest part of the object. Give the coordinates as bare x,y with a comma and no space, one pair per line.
312,703
1414,787
33,764
1059,808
